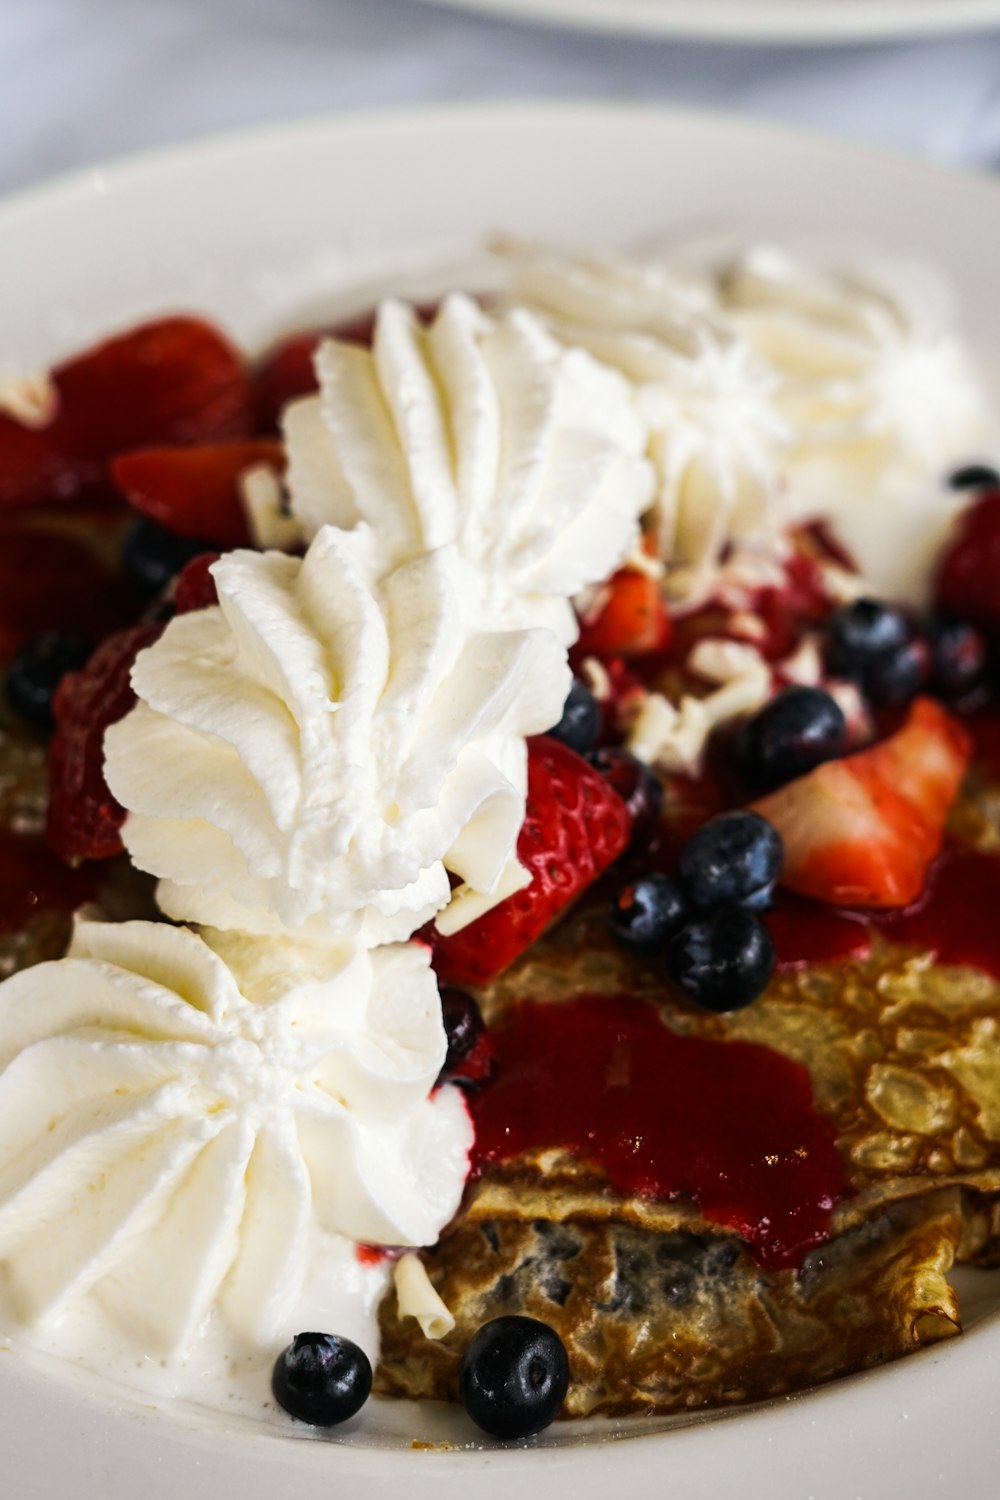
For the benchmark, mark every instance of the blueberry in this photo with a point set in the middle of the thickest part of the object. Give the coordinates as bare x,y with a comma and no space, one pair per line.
799,729
862,632
958,656
974,477
638,788
733,860
647,912
152,556
581,719
513,1377
724,960
893,677
463,1027
322,1378
37,670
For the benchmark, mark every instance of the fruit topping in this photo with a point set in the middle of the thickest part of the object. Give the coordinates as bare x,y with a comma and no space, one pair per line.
581,719
575,826
52,581
514,1376
84,820
638,788
37,670
798,729
175,380
734,859
724,961
648,912
194,492
969,570
628,619
194,587
322,1379
958,656
974,477
469,1059
152,557
863,831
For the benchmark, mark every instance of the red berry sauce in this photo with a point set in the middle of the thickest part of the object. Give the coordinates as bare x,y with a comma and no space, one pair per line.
730,1123
956,918
807,932
33,880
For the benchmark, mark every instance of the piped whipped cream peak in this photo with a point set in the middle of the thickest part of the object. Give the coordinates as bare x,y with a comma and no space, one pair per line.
316,753
776,387
483,435
706,400
190,1125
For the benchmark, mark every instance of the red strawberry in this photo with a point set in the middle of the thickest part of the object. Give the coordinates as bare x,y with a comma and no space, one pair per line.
574,827
194,586
863,831
629,618
968,582
84,820
177,380
52,581
194,491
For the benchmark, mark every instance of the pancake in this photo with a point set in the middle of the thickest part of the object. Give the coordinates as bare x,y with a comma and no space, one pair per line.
662,1309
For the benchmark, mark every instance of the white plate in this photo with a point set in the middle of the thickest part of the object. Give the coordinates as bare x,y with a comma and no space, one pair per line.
792,21
284,226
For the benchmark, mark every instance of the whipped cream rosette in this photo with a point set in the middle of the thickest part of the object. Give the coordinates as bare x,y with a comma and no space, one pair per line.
190,1126
481,434
706,400
316,753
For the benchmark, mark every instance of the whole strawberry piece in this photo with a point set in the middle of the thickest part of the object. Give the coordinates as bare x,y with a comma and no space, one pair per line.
575,826
968,582
176,380
863,831
84,820
194,491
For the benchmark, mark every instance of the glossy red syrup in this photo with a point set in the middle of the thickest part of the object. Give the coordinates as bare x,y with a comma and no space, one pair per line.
730,1123
984,726
807,932
958,916
33,880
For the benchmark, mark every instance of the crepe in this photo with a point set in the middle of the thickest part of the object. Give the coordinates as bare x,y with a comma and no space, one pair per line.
661,1310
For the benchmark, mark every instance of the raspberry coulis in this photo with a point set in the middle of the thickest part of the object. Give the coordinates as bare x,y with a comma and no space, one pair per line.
33,880
731,1124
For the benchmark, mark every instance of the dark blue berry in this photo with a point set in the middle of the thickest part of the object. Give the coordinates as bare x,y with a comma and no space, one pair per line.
733,860
860,633
958,656
723,961
974,477
322,1378
513,1377
463,1026
152,556
891,679
37,670
638,788
799,729
581,719
646,913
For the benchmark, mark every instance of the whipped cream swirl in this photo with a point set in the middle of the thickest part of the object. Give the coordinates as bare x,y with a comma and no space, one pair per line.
706,400
316,753
189,1125
483,435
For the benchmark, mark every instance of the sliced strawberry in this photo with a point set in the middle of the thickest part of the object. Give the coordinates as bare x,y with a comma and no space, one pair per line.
968,582
863,831
194,586
194,491
574,827
53,581
628,619
176,380
84,820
